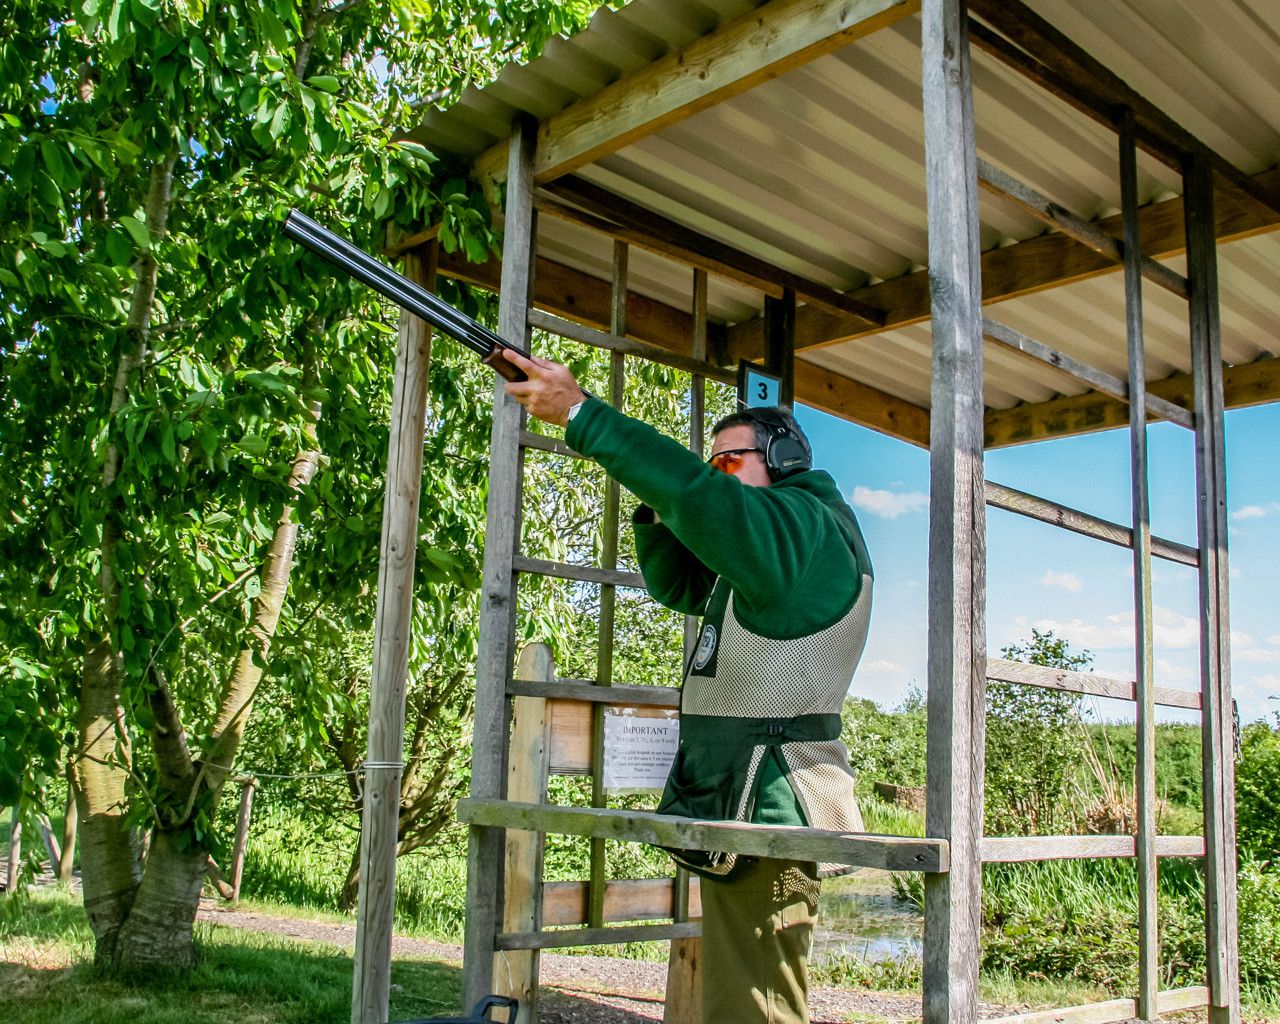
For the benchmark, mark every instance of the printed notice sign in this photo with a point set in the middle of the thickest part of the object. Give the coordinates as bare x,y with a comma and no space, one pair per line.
639,746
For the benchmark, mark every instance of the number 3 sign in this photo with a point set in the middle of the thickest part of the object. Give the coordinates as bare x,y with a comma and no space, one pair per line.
757,386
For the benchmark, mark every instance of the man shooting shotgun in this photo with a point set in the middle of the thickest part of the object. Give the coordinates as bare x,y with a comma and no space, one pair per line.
399,289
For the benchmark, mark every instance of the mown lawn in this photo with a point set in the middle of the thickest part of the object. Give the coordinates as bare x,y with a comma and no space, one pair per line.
244,978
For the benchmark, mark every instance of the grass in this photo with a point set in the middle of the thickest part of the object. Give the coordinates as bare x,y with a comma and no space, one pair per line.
246,977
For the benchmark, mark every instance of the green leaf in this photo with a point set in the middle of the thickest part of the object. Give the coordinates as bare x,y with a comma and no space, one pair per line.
137,231
119,248
325,83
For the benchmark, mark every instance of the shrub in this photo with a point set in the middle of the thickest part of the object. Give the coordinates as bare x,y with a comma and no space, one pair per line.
1258,793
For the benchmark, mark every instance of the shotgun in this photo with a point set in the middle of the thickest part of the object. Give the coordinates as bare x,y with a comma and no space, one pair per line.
404,293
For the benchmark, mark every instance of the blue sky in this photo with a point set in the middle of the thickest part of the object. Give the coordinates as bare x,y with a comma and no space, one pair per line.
1082,589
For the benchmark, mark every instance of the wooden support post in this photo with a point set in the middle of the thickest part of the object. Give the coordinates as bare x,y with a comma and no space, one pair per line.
780,342
1144,668
1215,625
608,592
496,653
516,971
379,826
15,851
683,1004
242,835
50,841
957,523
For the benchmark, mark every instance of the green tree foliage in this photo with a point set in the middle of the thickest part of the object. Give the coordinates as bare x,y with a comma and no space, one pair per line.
1258,794
181,392
886,746
1033,742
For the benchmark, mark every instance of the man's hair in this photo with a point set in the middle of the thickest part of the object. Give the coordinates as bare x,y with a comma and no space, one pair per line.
765,422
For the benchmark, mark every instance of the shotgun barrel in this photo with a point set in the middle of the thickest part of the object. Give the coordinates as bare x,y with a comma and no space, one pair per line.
404,293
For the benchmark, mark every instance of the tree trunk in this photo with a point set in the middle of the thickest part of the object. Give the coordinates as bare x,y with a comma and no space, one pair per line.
109,853
351,886
159,932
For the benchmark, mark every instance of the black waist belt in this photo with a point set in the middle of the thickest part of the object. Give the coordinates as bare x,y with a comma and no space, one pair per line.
761,731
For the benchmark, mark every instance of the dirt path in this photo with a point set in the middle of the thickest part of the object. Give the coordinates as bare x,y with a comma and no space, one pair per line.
579,989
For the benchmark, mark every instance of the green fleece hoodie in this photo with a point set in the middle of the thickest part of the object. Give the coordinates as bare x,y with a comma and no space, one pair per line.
792,551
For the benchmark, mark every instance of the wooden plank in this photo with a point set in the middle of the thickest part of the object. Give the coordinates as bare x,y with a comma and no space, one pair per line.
495,653
1110,1011
859,403
570,743
516,972
625,346
1243,385
1046,511
1144,668
1023,268
1049,212
683,1003
957,523
1004,671
626,899
393,621
888,853
1011,849
1157,132
583,573
780,343
1217,722
586,690
751,49
630,221
542,443
1100,380
568,938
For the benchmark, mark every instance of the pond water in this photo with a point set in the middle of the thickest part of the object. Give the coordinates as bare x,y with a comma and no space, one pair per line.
859,916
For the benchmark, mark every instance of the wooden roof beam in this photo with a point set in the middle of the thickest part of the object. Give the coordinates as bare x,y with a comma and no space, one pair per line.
751,49
1243,385
577,296
598,208
1072,69
1045,261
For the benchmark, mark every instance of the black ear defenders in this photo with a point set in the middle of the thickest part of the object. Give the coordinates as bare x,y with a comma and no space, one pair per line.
786,452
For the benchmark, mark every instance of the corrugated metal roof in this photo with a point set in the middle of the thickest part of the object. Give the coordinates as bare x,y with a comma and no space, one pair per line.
821,172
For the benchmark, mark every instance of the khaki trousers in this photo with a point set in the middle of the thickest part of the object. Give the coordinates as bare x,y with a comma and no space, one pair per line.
757,930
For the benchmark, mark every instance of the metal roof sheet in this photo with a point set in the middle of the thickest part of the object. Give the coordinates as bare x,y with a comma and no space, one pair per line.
821,171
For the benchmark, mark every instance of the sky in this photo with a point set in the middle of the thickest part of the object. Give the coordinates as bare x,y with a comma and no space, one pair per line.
1044,577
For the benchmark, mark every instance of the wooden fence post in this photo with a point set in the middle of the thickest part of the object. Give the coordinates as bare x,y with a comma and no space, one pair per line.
242,835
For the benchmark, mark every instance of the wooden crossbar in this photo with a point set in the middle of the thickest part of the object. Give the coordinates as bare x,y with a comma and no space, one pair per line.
1009,849
590,691
888,853
582,573
1005,671
625,899
1111,1010
566,938
542,443
1024,504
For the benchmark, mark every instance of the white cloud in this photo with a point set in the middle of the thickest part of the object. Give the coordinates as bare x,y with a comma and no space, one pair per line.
1249,512
1274,640
1240,639
1172,630
883,666
1066,580
888,504
1173,672
1255,655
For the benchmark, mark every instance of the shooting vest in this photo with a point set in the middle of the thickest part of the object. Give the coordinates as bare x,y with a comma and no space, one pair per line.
746,696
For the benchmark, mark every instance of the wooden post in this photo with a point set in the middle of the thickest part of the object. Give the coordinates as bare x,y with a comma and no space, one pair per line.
1144,668
371,988
70,825
516,970
683,1003
780,342
242,835
50,842
957,523
15,852
608,592
495,656
1217,722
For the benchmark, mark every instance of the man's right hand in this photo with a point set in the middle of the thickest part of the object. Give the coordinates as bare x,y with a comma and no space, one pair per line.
551,390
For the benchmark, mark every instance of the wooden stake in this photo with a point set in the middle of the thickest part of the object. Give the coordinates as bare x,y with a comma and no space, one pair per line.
371,988
242,835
